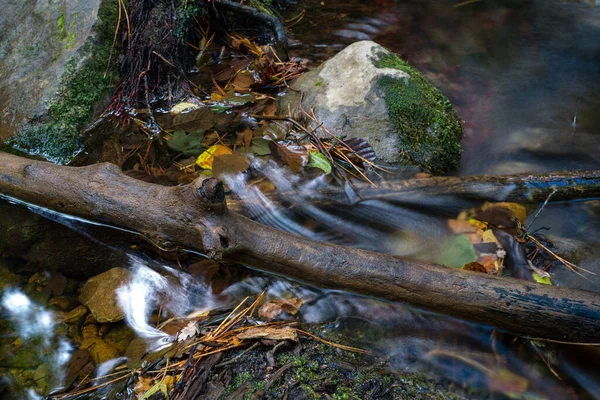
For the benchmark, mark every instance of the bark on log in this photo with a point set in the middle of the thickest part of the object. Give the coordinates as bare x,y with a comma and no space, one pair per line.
195,216
520,188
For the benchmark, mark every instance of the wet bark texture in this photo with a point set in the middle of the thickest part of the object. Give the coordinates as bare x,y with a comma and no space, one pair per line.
196,216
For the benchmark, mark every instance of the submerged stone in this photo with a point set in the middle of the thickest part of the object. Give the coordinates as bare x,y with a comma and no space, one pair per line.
99,295
368,92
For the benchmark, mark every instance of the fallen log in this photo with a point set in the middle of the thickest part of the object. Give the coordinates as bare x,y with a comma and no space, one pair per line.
196,216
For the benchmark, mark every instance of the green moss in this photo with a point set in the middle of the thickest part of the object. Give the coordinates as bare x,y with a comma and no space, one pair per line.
57,137
429,125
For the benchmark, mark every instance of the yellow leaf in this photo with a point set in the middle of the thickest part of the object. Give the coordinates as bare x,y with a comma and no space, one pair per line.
205,160
489,237
539,279
183,106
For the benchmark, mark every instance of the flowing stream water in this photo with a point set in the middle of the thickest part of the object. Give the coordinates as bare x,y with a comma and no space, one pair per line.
525,77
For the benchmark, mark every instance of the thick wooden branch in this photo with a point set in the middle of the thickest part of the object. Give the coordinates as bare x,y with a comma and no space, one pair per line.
195,216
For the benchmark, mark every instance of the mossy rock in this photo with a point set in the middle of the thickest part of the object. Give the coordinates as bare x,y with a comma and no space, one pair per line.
367,92
429,125
61,85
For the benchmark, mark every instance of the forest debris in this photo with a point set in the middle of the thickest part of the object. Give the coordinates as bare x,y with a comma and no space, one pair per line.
274,308
269,332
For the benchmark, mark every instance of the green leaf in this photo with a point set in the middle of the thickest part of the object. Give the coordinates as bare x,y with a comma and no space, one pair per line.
457,252
189,144
318,160
219,108
260,146
539,279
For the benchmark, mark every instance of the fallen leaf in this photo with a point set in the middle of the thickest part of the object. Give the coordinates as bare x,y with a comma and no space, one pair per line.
475,267
242,81
362,149
269,332
182,107
273,309
518,210
190,330
190,144
296,157
206,159
507,382
461,226
260,146
318,160
229,164
457,252
545,280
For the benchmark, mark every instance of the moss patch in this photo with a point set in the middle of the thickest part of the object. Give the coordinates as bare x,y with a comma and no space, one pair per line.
57,135
312,370
429,125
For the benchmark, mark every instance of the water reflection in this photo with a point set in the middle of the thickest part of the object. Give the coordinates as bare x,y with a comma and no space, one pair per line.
523,75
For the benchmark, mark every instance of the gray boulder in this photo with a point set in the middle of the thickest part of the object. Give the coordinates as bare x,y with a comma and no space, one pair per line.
53,58
367,92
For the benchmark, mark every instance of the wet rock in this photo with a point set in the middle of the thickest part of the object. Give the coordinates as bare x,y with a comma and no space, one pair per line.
367,92
100,351
76,315
98,294
52,59
120,336
63,303
8,279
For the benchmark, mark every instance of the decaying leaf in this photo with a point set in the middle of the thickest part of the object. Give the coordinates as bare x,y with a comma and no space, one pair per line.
318,160
296,157
205,160
273,309
229,164
269,332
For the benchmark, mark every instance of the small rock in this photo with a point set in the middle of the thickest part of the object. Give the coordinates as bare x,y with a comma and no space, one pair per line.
120,336
98,294
100,351
76,315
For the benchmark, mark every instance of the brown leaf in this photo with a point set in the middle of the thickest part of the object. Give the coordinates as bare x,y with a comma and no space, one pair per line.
296,157
269,332
241,82
273,309
475,267
461,226
229,164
